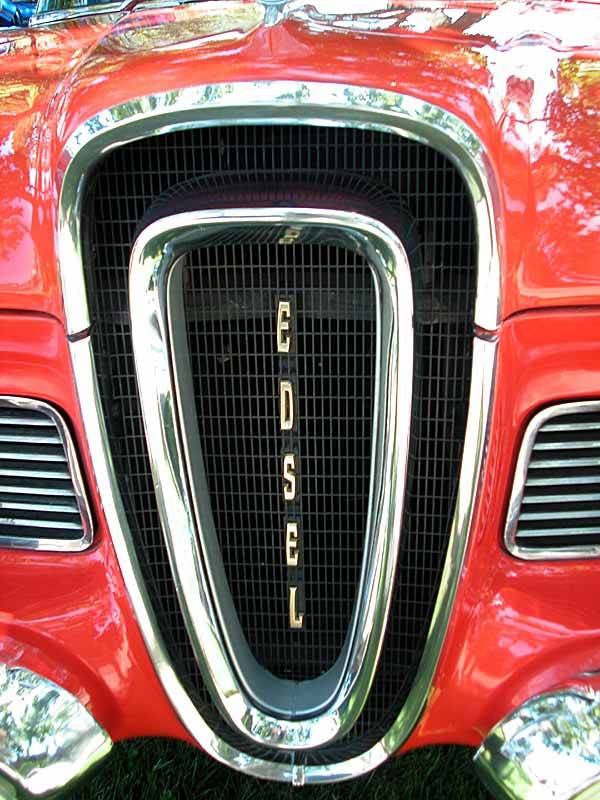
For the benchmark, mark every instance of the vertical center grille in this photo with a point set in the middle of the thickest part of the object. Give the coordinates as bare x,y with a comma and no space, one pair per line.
231,299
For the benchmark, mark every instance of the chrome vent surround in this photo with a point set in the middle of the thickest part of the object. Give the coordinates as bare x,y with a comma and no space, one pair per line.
42,501
554,510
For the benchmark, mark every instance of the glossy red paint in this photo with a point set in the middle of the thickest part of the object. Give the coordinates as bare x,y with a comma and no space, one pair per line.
533,99
68,616
33,66
518,627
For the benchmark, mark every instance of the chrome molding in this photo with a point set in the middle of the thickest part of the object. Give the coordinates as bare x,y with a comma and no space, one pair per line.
48,740
121,7
280,102
293,103
310,714
64,15
222,18
548,749
518,489
484,359
50,544
317,13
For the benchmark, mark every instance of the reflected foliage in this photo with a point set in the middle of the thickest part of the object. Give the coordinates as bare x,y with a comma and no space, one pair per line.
47,738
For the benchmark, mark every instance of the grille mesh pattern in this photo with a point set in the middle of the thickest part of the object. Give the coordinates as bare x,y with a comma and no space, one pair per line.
37,496
127,183
231,300
561,499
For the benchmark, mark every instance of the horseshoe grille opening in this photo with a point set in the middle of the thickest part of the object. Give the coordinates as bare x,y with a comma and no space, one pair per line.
228,289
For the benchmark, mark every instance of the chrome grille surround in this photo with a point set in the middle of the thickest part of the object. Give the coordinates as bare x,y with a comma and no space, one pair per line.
295,103
327,711
281,102
535,477
41,489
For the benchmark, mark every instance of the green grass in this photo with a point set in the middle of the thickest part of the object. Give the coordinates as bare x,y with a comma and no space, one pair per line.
159,769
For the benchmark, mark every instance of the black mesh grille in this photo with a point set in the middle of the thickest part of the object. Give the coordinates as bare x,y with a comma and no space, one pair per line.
231,295
430,188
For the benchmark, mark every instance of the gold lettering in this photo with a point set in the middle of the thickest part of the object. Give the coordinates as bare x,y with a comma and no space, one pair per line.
289,476
286,405
291,544
284,334
296,619
289,236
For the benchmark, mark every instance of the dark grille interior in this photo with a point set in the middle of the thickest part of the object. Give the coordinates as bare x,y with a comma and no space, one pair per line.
231,294
38,498
560,508
127,182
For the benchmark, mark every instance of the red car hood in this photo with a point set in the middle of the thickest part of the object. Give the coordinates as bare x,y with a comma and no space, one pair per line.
525,76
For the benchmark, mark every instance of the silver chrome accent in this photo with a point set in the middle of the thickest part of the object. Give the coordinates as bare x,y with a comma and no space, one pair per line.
294,103
48,739
281,102
30,468
527,508
362,16
312,713
238,17
63,15
548,749
484,360
274,11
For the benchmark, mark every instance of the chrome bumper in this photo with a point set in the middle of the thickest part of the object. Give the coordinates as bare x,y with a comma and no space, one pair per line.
48,740
548,749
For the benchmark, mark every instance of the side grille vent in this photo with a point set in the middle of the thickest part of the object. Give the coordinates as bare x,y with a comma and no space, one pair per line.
42,504
555,507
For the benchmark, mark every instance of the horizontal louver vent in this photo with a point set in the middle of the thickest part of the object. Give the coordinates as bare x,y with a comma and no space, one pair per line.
559,510
42,505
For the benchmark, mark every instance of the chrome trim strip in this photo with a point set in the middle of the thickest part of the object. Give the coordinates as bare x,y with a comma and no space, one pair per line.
48,741
116,9
520,481
547,749
66,440
233,14
277,102
64,15
153,271
483,370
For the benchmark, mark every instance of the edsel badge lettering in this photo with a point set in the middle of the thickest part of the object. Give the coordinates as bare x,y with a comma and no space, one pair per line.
293,542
